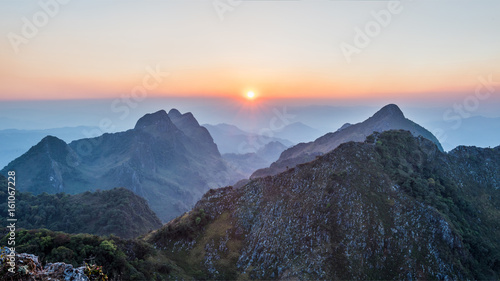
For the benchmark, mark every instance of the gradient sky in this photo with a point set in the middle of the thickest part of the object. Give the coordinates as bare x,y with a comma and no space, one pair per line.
431,50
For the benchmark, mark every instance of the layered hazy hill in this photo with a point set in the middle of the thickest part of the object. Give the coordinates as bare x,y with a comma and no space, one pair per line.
247,152
248,163
477,130
169,159
392,207
231,139
297,132
390,117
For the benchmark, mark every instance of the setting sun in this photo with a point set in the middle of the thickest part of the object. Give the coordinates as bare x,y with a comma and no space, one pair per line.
250,95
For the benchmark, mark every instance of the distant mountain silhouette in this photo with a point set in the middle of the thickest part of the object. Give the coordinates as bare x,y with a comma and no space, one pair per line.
477,130
297,132
271,151
390,117
13,142
248,163
344,126
231,139
170,162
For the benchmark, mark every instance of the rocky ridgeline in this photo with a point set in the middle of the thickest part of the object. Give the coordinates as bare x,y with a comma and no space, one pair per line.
388,208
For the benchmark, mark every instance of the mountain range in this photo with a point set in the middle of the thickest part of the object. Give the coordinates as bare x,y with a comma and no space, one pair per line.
168,159
390,117
376,200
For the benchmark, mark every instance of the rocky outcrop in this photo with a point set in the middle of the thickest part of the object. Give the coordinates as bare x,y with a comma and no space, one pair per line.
29,268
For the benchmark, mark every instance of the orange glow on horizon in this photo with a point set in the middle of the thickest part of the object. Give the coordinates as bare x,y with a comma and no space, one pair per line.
224,84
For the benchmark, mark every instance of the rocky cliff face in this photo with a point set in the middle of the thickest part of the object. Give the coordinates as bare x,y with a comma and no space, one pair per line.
390,117
393,207
170,162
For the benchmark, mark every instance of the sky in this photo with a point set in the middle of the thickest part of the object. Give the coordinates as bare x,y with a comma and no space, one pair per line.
410,51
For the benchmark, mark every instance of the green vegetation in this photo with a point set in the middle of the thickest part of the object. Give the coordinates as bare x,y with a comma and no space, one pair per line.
187,226
121,259
118,211
94,272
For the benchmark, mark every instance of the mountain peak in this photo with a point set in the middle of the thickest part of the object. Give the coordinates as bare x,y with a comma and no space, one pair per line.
183,120
188,124
390,110
52,140
52,144
174,113
159,119
346,125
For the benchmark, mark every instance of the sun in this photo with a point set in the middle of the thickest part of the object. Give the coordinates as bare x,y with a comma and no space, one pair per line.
250,95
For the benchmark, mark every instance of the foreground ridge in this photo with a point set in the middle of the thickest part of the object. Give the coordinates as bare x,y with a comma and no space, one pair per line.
393,207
